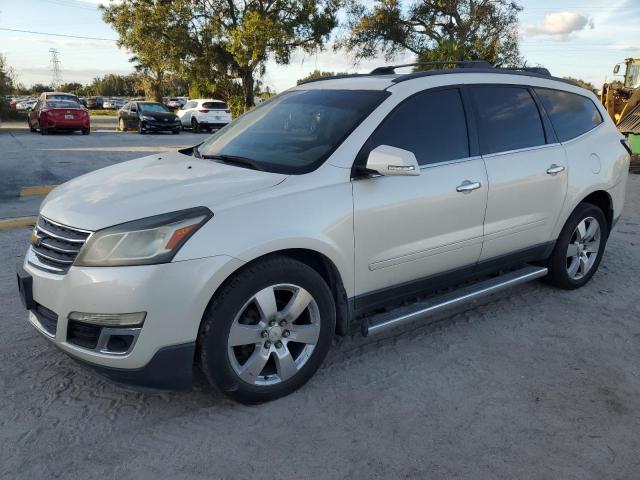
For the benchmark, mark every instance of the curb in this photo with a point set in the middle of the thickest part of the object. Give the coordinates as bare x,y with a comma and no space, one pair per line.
18,222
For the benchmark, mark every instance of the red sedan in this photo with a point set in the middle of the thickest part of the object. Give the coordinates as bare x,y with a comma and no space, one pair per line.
50,115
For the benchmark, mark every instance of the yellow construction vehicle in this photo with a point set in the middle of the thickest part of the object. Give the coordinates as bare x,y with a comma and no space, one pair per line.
622,101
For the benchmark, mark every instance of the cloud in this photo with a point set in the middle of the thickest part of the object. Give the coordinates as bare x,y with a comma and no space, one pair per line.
560,25
625,47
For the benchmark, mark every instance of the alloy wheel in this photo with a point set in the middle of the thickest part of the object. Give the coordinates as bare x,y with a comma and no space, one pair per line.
274,334
583,248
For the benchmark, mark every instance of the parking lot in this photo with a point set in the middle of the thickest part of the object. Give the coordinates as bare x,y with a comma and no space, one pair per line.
534,383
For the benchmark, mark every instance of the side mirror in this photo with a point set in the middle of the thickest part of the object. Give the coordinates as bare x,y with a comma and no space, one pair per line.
616,69
392,161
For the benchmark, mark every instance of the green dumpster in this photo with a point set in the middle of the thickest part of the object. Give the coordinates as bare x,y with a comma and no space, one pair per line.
634,140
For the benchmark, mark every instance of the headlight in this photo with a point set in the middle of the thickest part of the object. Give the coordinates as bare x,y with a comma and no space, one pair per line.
142,242
147,118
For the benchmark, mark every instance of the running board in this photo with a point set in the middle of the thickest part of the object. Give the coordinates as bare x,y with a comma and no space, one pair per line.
387,320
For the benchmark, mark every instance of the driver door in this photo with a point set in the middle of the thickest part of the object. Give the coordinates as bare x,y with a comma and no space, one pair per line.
410,228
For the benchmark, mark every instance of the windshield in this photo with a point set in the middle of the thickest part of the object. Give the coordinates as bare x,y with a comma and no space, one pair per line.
633,75
152,107
296,131
215,105
73,98
62,104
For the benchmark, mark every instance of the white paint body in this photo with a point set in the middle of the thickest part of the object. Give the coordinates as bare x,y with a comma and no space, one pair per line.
194,109
379,232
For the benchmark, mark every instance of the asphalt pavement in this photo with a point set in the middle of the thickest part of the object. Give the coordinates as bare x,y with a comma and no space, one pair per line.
29,161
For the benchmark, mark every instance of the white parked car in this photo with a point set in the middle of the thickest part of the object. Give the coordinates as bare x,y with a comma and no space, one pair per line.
204,114
315,210
26,104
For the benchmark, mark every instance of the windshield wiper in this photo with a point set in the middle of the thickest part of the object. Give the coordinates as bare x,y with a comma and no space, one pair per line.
234,160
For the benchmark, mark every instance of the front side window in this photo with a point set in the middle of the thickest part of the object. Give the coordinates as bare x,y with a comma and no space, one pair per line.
508,119
571,114
293,132
432,125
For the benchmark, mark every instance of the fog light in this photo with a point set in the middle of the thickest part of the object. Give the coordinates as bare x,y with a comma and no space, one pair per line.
110,319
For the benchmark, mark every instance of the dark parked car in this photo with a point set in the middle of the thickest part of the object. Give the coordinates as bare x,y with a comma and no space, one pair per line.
95,102
148,117
49,115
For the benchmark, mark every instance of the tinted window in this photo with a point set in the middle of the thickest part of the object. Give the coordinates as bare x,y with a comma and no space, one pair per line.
432,125
293,132
571,114
152,107
508,119
215,105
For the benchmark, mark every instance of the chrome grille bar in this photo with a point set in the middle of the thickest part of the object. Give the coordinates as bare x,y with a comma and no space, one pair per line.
55,246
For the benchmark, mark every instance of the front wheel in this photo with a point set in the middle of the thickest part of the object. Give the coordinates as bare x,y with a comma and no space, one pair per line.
267,331
579,248
141,129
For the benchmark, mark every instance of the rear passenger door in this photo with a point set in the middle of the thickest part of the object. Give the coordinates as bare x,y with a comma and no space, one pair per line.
526,168
408,228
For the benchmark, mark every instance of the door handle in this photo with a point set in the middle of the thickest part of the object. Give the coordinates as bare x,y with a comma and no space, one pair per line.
468,187
555,169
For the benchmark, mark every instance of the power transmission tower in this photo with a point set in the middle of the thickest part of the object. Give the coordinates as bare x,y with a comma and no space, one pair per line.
55,68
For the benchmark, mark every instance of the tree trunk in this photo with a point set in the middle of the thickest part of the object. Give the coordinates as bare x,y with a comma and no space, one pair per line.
247,87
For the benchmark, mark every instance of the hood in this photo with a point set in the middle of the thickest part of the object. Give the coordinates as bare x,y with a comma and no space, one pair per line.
149,186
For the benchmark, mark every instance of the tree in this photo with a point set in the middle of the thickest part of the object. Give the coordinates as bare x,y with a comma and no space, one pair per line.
583,84
6,83
435,30
319,74
39,88
220,40
72,87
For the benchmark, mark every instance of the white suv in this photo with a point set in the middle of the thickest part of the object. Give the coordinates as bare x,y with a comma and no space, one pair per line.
204,114
328,205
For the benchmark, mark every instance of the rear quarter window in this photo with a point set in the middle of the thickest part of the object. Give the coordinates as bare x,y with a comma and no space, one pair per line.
571,115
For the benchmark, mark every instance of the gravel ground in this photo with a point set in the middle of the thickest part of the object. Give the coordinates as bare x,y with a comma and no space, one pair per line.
536,383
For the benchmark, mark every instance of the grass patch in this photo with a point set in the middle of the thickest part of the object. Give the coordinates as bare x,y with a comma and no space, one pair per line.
103,113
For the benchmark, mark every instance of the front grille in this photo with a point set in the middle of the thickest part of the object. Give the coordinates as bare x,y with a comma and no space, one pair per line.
48,319
83,334
56,246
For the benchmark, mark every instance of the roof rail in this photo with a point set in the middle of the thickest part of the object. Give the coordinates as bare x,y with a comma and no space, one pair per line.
536,70
391,69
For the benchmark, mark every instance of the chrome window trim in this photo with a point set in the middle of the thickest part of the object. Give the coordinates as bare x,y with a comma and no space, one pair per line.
583,134
520,150
450,162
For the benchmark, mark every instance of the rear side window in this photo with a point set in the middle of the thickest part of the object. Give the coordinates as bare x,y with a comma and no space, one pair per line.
571,114
432,125
508,118
215,105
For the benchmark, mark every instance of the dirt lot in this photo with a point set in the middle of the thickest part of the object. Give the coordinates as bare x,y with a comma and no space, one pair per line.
535,383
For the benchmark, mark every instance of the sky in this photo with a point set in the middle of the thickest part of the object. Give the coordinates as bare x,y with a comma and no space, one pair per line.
578,38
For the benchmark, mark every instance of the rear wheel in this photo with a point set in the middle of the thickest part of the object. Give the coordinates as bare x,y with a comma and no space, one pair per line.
579,248
267,331
86,131
195,126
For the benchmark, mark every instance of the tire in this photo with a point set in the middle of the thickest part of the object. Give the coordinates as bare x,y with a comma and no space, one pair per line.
573,269
175,132
44,131
86,131
121,125
141,129
280,363
195,126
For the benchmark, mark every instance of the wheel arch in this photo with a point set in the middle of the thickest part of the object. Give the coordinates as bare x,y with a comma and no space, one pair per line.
319,262
602,200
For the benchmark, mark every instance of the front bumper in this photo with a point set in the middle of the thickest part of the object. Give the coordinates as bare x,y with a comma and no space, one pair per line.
161,126
174,295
